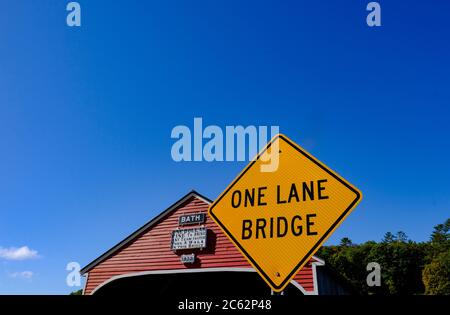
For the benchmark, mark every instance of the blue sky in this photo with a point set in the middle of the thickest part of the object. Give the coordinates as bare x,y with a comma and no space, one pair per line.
86,114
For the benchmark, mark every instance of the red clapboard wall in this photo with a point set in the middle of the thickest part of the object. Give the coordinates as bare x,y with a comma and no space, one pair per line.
149,249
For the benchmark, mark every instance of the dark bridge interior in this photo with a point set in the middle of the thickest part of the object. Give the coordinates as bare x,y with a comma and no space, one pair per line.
184,285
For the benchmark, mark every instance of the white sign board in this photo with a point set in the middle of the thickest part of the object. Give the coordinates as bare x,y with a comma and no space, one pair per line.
189,238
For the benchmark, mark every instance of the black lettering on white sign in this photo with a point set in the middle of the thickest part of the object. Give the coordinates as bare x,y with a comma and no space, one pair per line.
189,238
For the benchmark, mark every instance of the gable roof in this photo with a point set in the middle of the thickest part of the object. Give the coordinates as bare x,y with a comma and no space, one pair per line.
142,229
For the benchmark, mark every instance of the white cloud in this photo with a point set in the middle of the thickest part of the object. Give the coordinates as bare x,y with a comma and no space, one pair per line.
21,253
22,274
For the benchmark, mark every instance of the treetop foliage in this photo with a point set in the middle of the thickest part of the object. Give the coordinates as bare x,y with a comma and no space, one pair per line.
407,267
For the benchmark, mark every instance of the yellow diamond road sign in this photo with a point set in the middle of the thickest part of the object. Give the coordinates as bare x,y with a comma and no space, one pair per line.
279,219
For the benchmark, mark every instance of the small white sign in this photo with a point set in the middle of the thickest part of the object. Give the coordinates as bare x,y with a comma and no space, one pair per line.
188,259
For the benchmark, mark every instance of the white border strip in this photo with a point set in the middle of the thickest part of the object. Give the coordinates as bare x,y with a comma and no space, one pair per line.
85,284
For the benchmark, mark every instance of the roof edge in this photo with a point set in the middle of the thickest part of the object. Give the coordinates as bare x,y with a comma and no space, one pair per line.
143,228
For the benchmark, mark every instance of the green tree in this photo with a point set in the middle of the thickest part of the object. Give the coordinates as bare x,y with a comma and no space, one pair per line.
441,233
388,238
346,242
439,241
436,275
407,267
401,237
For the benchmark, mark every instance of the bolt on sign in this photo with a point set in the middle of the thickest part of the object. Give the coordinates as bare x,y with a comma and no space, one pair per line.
279,219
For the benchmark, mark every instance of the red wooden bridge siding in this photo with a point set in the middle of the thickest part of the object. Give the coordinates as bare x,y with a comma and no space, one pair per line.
151,251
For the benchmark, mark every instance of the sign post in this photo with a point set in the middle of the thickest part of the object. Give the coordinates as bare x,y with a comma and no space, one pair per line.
279,219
